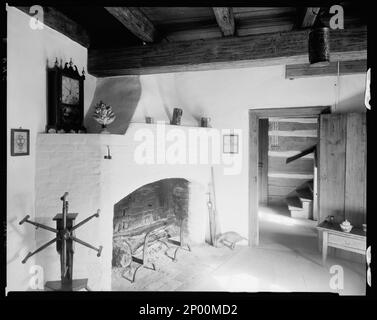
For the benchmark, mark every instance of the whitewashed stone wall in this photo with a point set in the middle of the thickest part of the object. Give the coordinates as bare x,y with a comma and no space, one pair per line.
75,163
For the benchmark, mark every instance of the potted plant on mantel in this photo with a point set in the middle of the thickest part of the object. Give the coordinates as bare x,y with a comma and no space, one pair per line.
104,115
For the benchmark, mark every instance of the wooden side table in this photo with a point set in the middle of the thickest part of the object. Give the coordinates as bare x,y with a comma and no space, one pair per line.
333,236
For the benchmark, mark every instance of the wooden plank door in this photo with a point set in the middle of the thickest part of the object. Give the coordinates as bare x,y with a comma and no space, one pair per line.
332,166
342,167
356,155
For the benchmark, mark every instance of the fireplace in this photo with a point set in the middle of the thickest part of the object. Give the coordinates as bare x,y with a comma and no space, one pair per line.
160,209
76,163
158,201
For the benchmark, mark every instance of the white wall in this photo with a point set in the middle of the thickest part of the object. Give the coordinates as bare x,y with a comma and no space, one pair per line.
29,51
226,96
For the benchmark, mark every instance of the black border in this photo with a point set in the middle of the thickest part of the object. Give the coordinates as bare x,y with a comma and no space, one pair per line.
4,153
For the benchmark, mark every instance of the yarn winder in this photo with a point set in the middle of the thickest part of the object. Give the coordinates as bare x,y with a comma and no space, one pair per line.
64,239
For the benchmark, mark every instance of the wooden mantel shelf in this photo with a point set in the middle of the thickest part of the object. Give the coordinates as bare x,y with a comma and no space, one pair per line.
126,139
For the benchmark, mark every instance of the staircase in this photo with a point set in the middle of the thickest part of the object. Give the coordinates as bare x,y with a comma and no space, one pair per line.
300,201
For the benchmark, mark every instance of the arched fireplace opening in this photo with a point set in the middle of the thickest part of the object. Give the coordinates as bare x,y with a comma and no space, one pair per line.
171,209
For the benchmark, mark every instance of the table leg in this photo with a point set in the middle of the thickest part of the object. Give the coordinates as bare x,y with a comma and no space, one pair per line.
325,236
319,241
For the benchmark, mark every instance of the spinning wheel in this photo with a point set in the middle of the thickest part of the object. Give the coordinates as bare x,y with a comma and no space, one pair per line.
64,245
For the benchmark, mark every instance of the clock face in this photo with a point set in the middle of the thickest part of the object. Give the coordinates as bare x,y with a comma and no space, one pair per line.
70,91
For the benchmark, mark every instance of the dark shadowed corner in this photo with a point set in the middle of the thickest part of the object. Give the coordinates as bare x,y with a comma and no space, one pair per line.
122,94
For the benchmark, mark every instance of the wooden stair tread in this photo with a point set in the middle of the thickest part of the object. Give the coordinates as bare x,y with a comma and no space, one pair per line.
299,201
295,209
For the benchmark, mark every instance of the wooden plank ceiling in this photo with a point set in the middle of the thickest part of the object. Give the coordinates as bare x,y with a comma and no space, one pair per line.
137,40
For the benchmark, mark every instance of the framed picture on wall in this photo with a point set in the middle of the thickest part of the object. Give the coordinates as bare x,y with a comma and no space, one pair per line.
19,142
230,143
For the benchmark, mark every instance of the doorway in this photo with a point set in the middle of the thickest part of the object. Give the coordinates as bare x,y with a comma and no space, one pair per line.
263,138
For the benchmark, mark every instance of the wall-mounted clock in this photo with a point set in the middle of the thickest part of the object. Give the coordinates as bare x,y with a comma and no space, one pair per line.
65,99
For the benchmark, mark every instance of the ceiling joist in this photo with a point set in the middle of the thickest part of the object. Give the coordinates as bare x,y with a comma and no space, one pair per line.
295,71
228,52
61,23
225,20
135,21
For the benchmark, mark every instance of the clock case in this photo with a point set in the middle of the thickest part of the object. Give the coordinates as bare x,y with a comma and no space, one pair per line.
61,116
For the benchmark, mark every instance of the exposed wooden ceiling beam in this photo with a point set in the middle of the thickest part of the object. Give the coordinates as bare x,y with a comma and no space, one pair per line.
310,17
61,23
305,70
135,21
229,52
294,112
225,20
